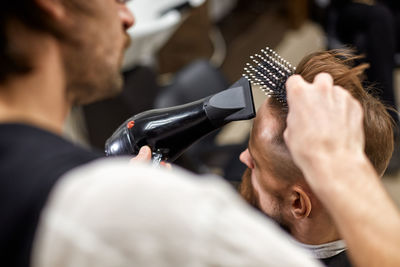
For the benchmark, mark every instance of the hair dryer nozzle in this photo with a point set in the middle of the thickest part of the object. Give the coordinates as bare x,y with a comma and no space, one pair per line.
233,104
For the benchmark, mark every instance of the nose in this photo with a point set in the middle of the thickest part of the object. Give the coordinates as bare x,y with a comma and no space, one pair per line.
246,159
126,17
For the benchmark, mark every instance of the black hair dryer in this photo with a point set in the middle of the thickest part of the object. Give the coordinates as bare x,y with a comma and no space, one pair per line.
170,131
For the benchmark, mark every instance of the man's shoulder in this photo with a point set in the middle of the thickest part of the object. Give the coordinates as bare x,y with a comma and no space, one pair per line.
38,144
32,161
32,156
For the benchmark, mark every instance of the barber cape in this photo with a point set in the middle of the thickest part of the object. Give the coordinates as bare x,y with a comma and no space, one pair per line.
332,254
111,213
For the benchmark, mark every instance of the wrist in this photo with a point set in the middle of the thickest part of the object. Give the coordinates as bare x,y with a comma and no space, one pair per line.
330,172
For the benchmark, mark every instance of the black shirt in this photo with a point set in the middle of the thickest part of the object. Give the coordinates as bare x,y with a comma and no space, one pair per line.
31,162
339,260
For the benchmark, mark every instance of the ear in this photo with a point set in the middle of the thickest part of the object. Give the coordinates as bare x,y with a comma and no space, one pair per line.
54,8
300,202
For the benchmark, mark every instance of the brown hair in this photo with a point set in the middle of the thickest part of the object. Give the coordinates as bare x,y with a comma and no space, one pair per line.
27,12
378,124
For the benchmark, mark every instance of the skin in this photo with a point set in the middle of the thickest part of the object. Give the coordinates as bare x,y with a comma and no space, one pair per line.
81,68
290,202
98,76
266,188
338,171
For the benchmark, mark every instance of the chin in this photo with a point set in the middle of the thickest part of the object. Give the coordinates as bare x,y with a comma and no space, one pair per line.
100,89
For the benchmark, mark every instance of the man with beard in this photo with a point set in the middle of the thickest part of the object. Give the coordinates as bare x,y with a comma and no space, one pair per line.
276,186
58,53
53,54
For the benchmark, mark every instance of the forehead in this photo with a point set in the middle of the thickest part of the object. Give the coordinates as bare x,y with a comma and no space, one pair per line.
265,126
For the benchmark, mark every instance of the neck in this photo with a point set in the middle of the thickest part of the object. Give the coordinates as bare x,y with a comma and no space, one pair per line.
37,98
315,230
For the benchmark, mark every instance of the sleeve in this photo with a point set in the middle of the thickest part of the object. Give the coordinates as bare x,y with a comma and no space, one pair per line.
109,213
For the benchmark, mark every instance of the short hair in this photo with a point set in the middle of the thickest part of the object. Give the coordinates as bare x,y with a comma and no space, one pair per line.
378,124
27,12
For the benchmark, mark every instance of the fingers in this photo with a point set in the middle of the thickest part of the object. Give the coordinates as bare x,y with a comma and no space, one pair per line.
318,110
297,88
296,81
294,87
323,81
144,154
166,165
296,84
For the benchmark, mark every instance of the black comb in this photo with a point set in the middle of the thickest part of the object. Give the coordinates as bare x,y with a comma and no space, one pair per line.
269,71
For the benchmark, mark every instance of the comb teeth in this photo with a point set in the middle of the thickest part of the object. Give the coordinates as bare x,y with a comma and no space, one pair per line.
270,71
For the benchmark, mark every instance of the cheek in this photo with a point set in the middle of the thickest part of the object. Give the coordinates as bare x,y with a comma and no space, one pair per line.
247,190
267,201
269,204
110,30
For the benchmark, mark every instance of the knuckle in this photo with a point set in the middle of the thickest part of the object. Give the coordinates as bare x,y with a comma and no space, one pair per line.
323,81
294,81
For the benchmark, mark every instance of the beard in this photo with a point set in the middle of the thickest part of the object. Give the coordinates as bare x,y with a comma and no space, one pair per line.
92,84
92,61
246,190
91,77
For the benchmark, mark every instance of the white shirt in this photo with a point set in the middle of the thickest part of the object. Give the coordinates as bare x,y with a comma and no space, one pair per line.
111,213
327,250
